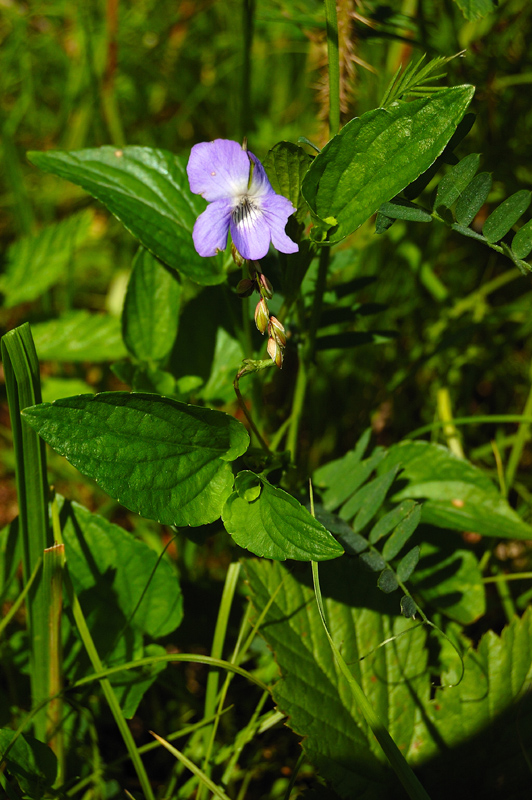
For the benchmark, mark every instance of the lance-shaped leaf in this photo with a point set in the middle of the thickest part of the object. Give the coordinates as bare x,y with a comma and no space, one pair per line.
270,522
163,459
374,157
151,308
148,191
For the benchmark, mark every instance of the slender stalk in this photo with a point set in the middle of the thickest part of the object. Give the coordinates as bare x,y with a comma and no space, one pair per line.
242,404
53,588
231,580
334,66
519,444
298,402
21,368
248,18
446,413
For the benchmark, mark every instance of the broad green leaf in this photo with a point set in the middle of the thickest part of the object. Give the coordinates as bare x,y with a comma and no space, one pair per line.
148,191
454,183
408,563
506,215
402,533
475,9
403,209
522,241
275,525
389,521
449,578
30,761
286,165
457,495
35,263
79,336
144,589
151,309
482,724
374,157
314,694
473,198
165,460
463,742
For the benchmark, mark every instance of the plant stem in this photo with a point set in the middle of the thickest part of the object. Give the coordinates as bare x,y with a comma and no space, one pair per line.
519,444
452,438
248,15
334,66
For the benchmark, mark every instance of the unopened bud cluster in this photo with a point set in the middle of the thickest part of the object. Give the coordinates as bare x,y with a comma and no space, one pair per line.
265,322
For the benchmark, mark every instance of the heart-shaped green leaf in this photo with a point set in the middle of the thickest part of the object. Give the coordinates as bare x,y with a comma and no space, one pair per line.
273,524
148,191
163,459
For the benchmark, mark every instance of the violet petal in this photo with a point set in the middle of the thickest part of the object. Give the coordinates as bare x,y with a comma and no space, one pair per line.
211,228
218,170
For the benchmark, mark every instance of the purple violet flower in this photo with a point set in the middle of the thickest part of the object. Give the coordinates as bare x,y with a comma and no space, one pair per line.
241,199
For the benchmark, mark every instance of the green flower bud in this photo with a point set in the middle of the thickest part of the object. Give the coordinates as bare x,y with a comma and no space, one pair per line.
275,353
245,288
262,316
276,330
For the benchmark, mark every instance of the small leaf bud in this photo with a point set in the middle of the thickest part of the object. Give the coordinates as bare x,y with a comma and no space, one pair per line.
266,289
245,288
262,316
275,353
237,258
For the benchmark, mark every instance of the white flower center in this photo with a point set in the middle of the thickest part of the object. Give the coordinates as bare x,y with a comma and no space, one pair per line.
244,210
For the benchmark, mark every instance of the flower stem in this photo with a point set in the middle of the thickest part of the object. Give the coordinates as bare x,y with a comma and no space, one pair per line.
248,15
334,66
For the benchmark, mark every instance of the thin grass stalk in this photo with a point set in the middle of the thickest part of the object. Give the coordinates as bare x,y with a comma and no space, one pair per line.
334,66
53,592
220,631
21,368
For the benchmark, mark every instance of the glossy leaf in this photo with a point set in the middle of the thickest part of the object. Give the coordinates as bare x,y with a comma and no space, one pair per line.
502,219
148,191
374,157
273,524
163,459
286,165
522,241
473,198
151,309
457,495
35,263
453,184
79,336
